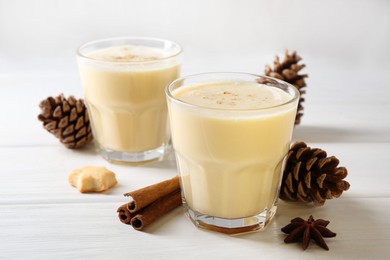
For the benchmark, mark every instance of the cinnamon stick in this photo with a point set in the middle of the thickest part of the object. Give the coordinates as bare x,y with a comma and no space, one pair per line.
149,194
155,210
124,214
150,203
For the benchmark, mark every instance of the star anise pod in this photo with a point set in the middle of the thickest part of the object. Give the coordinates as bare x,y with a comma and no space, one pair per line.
301,230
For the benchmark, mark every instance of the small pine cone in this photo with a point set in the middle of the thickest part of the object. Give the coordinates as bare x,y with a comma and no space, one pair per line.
66,119
311,176
288,71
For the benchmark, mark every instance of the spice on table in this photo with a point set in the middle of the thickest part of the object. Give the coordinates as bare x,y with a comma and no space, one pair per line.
124,214
288,70
301,230
149,194
155,210
67,119
311,176
150,203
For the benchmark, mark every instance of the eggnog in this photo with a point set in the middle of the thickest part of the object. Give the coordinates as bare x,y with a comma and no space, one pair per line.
230,139
124,91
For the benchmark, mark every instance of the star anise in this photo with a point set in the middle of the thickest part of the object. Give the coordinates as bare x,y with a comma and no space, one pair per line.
299,229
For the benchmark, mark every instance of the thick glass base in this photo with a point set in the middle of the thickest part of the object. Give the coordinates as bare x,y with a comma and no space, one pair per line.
231,226
134,157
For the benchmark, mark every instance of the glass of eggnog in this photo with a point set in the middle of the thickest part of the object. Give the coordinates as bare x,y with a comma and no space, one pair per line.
231,133
123,81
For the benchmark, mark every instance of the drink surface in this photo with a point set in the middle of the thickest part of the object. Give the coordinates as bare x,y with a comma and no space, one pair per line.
128,53
232,95
127,104
230,165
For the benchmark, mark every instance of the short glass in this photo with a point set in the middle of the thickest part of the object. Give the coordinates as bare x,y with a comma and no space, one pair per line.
123,81
230,160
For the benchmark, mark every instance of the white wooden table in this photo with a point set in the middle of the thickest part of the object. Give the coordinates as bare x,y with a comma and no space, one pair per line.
43,217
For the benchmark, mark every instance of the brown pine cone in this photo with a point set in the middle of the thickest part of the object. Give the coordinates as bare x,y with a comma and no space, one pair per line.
288,71
311,176
66,119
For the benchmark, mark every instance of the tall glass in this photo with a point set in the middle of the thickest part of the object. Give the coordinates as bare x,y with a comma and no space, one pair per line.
124,81
231,134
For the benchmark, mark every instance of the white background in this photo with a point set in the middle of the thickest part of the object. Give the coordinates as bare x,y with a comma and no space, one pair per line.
42,35
345,45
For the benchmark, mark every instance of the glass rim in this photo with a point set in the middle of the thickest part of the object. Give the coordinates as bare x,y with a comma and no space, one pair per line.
90,43
294,97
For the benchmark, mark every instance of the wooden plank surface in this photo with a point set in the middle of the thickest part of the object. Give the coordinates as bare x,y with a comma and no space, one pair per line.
43,217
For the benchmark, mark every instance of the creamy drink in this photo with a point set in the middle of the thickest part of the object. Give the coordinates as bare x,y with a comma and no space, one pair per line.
230,138
124,86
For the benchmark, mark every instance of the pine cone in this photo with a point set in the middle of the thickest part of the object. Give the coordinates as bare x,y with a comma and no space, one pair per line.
67,119
311,176
288,71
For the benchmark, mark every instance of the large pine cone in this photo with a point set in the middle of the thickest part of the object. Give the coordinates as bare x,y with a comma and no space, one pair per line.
67,119
311,176
288,71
